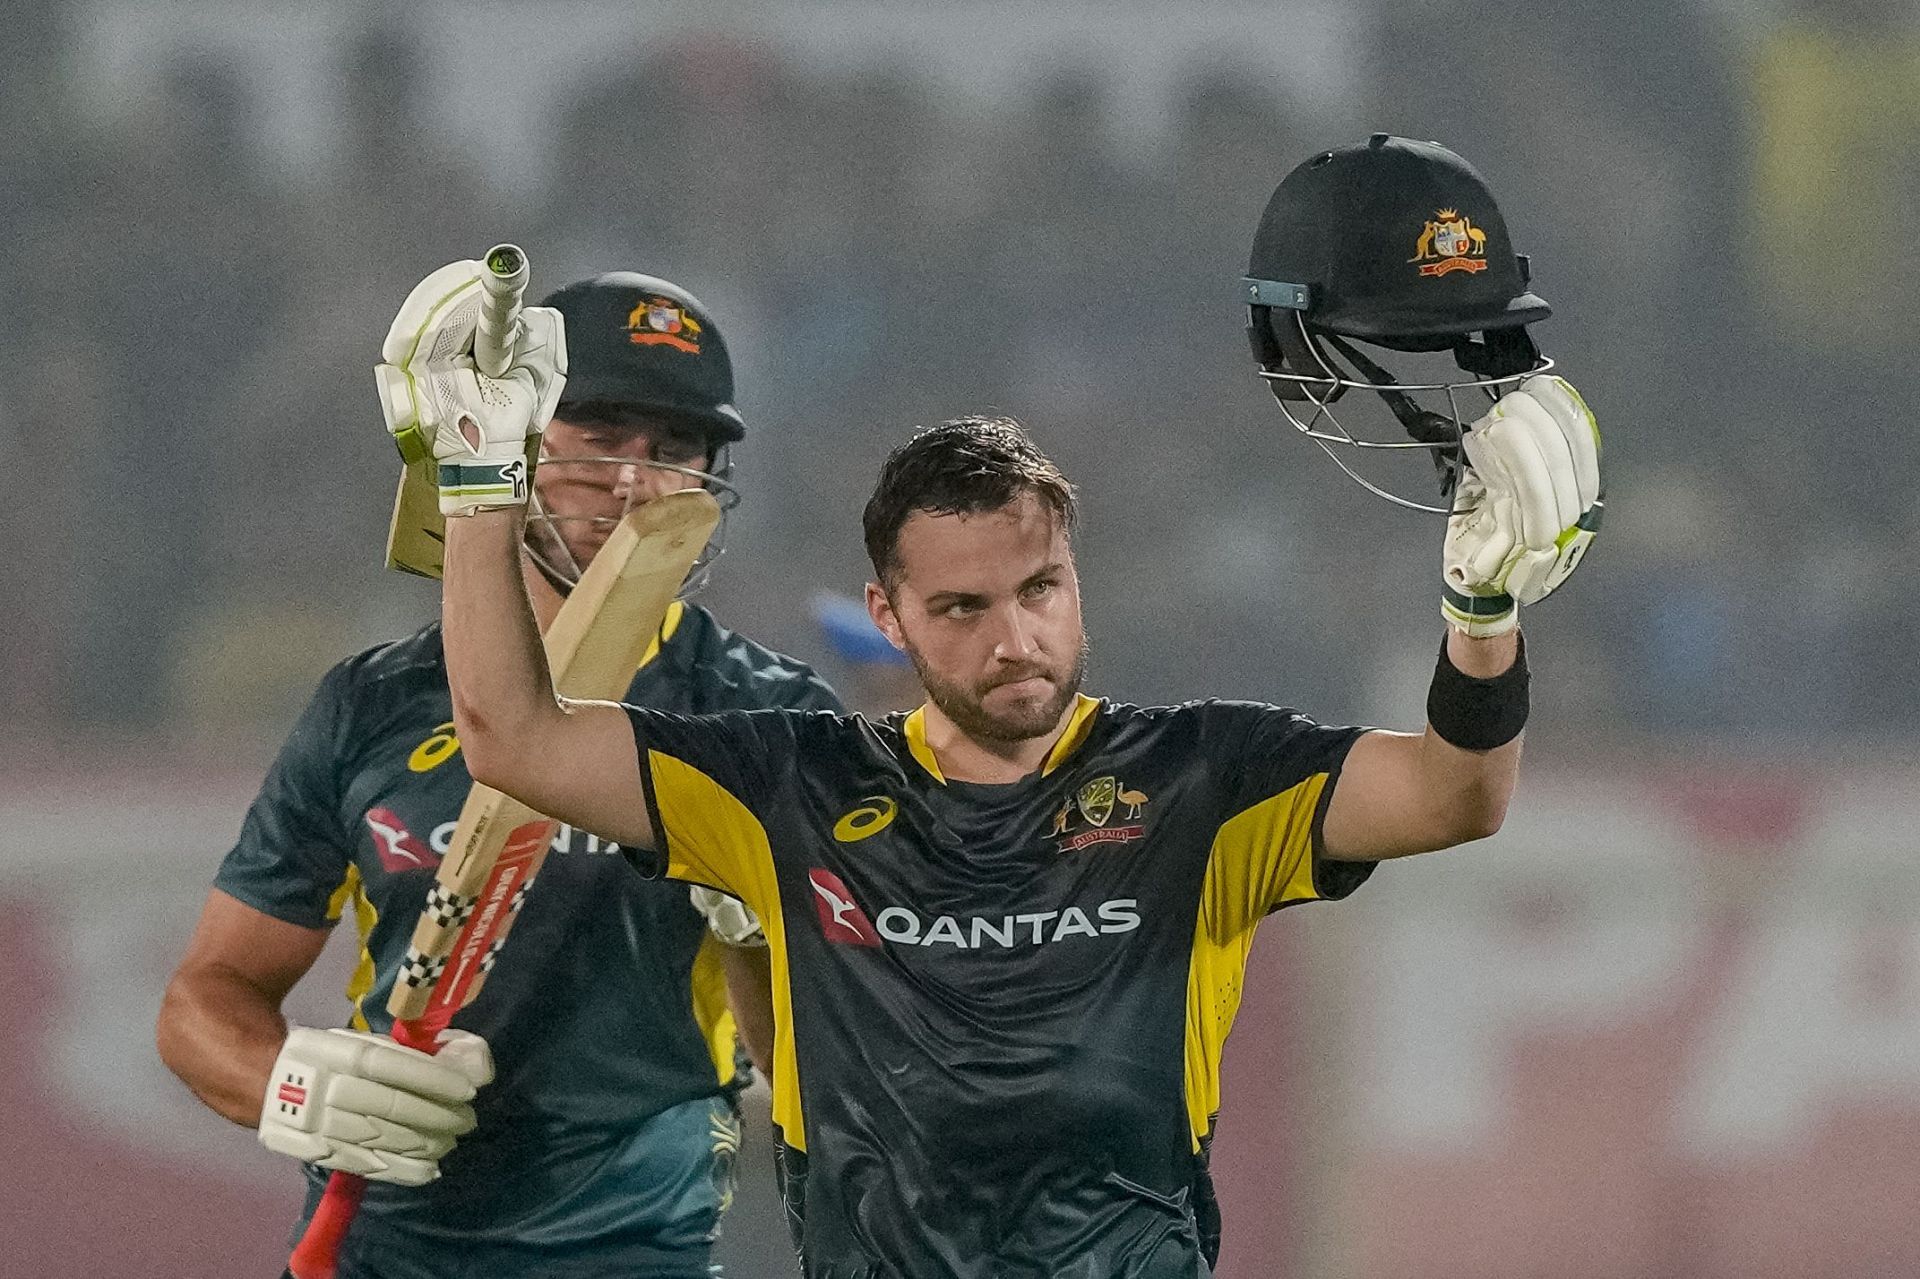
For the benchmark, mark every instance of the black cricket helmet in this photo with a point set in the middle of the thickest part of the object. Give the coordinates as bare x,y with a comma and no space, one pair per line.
1394,244
641,349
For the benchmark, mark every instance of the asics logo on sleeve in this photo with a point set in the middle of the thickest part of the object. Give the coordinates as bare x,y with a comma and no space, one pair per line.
841,918
436,750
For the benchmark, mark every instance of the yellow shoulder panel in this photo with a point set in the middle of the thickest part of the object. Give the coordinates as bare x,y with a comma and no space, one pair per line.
1261,858
713,838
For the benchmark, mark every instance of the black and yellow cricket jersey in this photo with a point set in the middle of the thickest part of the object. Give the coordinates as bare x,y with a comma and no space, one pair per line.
1001,1007
607,1013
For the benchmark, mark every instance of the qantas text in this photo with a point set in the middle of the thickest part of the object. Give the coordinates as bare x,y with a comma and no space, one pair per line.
898,924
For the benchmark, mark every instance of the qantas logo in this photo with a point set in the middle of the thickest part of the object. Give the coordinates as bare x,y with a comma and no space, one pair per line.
841,918
399,849
1034,928
844,923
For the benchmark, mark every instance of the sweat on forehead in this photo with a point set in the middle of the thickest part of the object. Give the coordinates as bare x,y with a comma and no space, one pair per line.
961,467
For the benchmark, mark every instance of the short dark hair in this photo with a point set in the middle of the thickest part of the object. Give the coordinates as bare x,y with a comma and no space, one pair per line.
960,467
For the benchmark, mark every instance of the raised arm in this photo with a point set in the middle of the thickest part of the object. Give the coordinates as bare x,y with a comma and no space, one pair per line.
1528,508
575,761
1403,793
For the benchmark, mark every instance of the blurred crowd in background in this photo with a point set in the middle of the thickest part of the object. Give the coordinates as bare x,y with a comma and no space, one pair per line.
1722,201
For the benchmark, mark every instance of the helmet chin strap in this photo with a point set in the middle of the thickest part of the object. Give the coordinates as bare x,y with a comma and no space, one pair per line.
1436,430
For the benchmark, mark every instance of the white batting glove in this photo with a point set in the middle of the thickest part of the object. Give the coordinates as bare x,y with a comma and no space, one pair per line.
484,432
1529,503
728,917
355,1102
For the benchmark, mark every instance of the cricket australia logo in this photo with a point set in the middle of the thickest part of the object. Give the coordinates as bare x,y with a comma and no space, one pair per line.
1094,804
1450,242
658,321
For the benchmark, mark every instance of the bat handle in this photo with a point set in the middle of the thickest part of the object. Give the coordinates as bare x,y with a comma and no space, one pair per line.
317,1255
503,283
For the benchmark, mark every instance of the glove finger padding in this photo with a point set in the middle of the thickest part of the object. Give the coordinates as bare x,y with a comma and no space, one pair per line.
1577,427
481,430
1528,505
1508,448
438,318
399,1170
360,1103
542,351
381,1060
467,1053
365,1097
372,1133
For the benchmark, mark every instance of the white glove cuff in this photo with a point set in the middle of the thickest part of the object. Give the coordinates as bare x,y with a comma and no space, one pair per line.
1477,616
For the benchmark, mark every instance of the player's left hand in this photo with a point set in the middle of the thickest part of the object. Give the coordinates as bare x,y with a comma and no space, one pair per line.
483,431
1528,504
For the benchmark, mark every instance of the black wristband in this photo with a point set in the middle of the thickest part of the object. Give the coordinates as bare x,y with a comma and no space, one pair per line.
1478,714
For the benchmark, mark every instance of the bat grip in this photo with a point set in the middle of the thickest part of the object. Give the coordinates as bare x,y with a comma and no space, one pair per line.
503,283
317,1255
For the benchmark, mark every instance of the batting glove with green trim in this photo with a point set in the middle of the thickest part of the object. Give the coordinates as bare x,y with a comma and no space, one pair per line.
1528,505
484,432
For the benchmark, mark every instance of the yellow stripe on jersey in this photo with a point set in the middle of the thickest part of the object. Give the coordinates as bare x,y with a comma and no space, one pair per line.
916,730
1261,858
364,918
1079,724
710,1010
710,837
668,625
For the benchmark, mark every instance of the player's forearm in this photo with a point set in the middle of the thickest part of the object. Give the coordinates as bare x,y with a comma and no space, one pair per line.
1470,788
496,666
749,971
220,1034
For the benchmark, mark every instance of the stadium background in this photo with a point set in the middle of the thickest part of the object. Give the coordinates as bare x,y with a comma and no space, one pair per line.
1665,1026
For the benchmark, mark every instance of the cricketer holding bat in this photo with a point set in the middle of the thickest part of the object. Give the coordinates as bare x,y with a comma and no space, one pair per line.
1009,928
600,1060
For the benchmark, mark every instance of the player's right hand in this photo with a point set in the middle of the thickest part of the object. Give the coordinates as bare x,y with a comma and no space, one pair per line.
361,1103
484,432
1528,505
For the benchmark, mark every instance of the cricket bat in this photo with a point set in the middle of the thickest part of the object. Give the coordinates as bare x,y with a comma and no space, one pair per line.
593,648
417,534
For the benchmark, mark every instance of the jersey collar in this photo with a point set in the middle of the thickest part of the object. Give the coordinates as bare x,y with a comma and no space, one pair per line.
1079,725
668,625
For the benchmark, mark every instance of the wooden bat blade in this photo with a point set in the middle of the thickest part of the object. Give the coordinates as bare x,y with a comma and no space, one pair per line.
417,532
593,647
